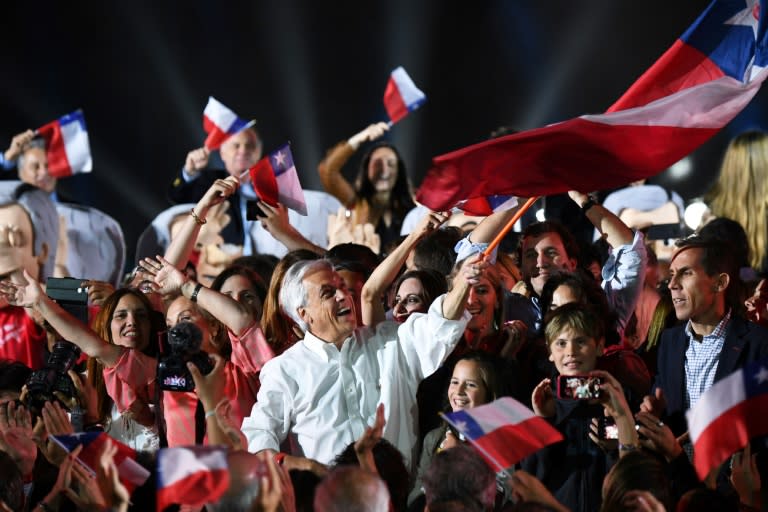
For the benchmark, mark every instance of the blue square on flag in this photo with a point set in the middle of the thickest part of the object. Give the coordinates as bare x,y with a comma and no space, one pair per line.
281,159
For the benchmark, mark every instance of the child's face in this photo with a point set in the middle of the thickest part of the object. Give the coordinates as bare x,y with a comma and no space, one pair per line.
574,353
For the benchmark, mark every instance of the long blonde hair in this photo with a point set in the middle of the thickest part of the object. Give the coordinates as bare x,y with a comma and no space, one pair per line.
741,191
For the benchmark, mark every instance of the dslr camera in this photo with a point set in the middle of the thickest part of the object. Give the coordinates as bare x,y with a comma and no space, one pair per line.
45,382
184,341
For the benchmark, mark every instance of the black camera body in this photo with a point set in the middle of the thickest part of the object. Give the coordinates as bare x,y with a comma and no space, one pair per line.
184,341
70,295
52,378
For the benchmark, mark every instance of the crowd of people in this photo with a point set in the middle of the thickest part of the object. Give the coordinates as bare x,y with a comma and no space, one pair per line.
320,351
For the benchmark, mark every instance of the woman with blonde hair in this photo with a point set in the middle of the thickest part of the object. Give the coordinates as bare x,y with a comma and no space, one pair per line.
741,191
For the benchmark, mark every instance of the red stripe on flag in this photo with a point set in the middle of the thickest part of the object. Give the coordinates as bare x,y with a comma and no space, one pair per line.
393,102
681,67
195,490
729,433
215,136
524,164
509,444
264,181
58,163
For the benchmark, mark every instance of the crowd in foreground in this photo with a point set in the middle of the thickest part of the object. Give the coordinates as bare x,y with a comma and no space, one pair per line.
321,368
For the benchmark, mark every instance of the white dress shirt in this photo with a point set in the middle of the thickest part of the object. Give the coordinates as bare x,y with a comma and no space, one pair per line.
321,398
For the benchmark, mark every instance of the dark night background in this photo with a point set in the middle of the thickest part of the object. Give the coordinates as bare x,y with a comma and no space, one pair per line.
314,73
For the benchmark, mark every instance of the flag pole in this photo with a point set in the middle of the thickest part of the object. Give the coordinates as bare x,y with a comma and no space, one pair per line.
506,229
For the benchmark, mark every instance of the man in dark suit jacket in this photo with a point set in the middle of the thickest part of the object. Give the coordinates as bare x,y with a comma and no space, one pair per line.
239,152
714,342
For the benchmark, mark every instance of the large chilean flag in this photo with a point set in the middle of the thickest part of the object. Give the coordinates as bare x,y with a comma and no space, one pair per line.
707,77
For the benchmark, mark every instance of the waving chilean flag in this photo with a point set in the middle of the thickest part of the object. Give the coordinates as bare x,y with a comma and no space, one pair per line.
66,142
191,475
220,123
728,415
503,431
401,95
707,77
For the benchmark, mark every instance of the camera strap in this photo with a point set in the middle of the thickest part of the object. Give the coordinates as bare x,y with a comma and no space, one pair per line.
199,423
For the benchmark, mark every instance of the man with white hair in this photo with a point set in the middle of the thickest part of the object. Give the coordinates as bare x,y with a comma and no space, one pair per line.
321,394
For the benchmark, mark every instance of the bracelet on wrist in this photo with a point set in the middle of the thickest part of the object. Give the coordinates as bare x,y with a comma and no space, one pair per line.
197,289
627,447
197,218
588,204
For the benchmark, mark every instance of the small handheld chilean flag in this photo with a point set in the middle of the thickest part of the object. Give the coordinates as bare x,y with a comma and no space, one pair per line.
504,431
67,145
131,473
401,95
275,180
191,475
220,123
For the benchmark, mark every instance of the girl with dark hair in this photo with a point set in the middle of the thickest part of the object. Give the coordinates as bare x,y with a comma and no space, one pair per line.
381,194
477,379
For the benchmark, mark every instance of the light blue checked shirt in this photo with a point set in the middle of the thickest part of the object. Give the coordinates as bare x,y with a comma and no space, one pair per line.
701,359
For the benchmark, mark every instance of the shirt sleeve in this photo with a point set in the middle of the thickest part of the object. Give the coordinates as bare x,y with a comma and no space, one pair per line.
270,419
623,276
250,351
6,165
188,177
427,339
131,381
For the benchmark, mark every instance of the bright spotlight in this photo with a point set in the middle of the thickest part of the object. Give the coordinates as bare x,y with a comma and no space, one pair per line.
694,213
540,215
681,169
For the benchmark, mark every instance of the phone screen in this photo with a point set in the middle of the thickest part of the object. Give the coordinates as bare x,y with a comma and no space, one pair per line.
578,387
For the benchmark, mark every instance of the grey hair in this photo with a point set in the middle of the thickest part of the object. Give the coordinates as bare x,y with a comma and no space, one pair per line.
293,294
38,143
42,213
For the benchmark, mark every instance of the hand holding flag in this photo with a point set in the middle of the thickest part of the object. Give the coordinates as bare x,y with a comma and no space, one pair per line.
67,145
92,444
401,95
220,123
503,431
275,180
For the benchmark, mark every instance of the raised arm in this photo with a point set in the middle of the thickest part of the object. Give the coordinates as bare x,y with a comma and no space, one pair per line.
31,295
183,243
330,168
237,317
278,224
490,226
372,310
616,233
470,273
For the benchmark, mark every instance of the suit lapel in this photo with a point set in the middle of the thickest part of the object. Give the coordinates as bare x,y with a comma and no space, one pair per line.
735,339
